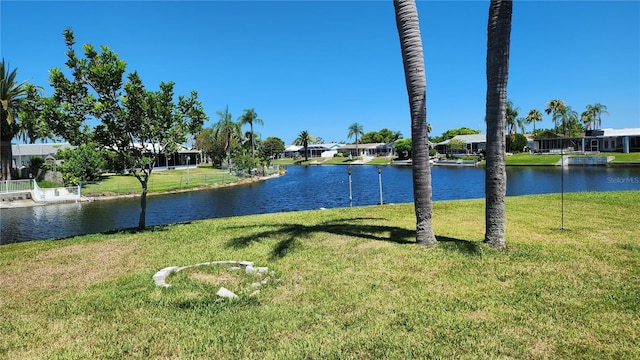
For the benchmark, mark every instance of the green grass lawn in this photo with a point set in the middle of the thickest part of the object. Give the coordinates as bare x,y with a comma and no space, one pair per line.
348,283
528,159
168,180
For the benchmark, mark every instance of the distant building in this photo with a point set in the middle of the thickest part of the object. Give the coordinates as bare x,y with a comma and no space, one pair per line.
22,153
605,140
474,143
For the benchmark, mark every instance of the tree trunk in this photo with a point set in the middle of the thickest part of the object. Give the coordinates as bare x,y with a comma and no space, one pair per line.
499,31
414,70
5,152
253,144
142,221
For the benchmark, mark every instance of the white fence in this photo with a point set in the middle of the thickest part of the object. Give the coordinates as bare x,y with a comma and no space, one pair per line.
72,193
9,186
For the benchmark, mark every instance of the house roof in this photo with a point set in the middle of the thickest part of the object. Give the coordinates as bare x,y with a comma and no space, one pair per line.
38,149
622,132
361,146
467,139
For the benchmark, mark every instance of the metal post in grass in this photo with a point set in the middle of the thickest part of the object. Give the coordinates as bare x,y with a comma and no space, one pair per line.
188,161
562,185
350,193
380,183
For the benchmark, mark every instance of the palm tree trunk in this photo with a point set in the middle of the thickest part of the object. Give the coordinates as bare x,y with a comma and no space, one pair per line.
253,144
414,70
499,31
5,152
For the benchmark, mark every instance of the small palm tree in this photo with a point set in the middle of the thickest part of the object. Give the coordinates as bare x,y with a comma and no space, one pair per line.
227,130
304,139
356,130
596,111
568,119
511,119
553,109
11,94
587,119
533,117
251,117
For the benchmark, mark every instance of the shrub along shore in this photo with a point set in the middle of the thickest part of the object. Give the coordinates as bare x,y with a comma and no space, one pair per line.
346,283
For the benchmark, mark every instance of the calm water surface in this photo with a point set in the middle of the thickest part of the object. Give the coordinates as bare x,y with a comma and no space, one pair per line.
302,188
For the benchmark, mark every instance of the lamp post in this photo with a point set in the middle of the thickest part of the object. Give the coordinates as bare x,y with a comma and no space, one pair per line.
188,161
380,183
350,194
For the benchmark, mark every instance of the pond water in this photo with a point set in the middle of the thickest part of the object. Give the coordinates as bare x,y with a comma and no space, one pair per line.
302,188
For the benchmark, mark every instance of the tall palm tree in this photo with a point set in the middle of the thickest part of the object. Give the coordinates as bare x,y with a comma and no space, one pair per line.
597,110
532,117
498,44
227,130
356,130
553,108
251,117
11,94
414,72
304,139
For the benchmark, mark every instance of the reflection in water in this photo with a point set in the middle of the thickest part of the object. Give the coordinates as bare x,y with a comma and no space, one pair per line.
303,188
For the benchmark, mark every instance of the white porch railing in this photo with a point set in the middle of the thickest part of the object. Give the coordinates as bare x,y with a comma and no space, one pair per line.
9,186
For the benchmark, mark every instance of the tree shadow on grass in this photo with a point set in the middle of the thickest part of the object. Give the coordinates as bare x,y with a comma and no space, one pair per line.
292,234
462,246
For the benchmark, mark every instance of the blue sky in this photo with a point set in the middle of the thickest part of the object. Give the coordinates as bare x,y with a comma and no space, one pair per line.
320,66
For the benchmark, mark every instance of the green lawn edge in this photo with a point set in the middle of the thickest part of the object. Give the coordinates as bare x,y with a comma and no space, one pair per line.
347,283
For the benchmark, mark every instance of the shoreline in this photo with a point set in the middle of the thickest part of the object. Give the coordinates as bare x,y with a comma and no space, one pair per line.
92,198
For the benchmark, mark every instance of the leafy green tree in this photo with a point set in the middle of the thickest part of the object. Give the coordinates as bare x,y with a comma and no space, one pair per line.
12,94
251,117
498,44
304,139
382,136
414,72
517,143
456,146
318,140
82,164
532,117
212,145
136,124
228,132
271,147
450,134
403,148
356,130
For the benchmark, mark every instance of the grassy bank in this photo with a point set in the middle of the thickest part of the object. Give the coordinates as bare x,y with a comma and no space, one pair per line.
160,181
528,159
347,283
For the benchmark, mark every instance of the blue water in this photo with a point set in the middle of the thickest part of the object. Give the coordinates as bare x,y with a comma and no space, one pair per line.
302,188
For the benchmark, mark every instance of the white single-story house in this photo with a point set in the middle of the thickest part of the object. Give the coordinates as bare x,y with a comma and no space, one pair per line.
22,153
329,150
474,143
604,140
